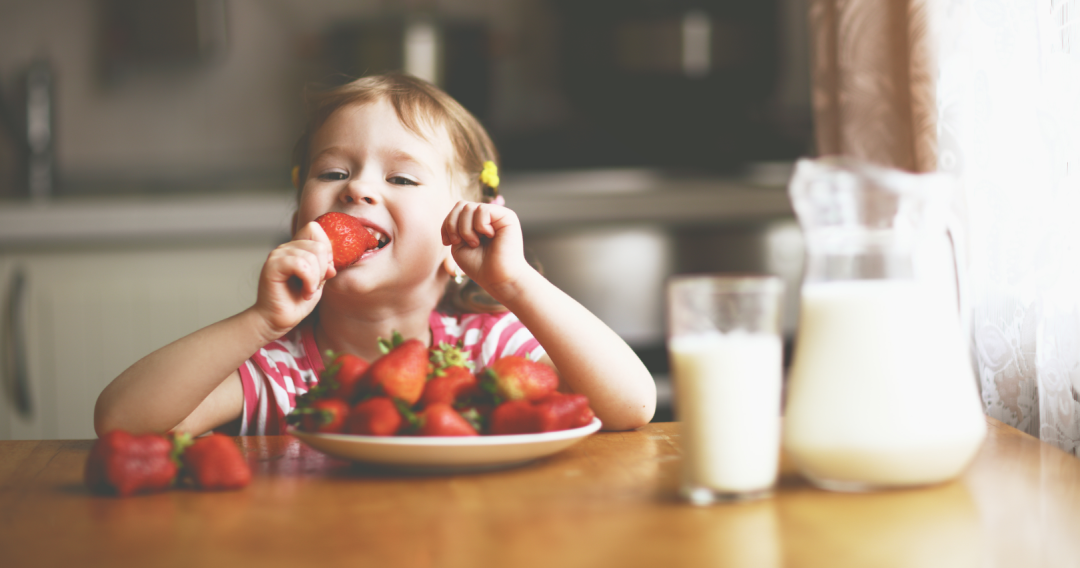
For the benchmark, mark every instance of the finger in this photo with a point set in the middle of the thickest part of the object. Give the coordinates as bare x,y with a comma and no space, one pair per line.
322,250
450,225
482,221
465,225
312,231
297,268
501,217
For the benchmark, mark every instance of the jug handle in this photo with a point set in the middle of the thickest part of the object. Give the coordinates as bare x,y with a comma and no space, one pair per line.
954,230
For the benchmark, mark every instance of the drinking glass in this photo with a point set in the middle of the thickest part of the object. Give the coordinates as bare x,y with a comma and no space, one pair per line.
726,361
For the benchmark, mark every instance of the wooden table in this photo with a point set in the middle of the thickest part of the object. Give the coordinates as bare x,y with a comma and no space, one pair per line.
609,501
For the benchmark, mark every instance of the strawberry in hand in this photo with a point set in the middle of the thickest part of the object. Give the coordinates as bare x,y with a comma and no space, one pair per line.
348,237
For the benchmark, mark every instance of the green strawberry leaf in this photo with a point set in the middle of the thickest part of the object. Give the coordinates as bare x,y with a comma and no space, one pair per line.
388,346
488,385
474,418
180,442
412,420
319,391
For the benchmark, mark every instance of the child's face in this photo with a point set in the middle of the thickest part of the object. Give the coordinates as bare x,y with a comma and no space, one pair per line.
365,163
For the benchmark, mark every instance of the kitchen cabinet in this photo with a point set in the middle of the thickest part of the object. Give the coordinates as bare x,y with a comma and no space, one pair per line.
83,316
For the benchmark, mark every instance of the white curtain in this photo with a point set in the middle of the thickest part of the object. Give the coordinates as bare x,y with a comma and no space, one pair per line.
988,90
1008,98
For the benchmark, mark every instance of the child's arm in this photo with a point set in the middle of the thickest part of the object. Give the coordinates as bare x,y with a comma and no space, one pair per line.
192,384
591,358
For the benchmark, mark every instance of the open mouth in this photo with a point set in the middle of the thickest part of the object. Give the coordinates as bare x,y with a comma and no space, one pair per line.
382,238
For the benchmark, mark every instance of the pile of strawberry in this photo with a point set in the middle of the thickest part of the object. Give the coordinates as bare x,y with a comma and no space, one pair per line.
123,464
413,390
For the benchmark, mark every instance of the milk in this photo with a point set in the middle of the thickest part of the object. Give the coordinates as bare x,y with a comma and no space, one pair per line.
727,395
881,393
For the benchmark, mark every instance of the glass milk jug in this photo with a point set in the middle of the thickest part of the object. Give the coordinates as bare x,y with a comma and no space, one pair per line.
881,393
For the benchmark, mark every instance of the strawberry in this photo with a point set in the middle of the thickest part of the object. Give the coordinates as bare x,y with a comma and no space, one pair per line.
378,416
517,378
446,356
556,411
348,237
346,373
126,464
215,463
440,419
402,371
326,416
561,411
475,414
457,384
514,417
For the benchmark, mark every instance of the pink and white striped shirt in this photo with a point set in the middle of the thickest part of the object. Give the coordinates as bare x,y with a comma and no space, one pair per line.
288,367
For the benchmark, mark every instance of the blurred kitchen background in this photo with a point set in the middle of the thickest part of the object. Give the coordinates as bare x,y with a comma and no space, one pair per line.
145,147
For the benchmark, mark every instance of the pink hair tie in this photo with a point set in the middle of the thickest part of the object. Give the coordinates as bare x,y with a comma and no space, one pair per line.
498,200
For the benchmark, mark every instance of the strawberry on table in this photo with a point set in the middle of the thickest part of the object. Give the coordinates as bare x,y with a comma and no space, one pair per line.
377,416
348,237
215,463
401,372
517,378
126,464
440,419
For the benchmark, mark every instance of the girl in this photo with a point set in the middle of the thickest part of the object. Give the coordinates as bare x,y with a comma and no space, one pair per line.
407,160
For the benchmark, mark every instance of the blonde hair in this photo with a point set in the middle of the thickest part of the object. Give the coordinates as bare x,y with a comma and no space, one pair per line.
422,108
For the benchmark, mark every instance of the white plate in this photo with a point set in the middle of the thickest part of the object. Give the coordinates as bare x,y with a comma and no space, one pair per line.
446,454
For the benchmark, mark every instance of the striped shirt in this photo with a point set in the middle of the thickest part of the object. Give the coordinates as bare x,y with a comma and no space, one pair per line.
289,366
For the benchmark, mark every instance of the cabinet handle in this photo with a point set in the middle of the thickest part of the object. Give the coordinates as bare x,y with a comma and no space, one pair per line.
16,344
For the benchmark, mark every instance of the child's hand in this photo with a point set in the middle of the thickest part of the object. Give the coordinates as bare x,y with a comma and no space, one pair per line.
485,240
292,278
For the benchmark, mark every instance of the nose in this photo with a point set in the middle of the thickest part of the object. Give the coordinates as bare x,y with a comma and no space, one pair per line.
358,191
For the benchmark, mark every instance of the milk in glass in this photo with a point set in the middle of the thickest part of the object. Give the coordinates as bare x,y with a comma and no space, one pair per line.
727,396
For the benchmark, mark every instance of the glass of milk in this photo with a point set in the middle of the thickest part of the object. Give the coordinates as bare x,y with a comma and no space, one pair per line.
726,363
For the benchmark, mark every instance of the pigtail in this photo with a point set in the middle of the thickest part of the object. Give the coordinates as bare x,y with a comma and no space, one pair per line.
489,184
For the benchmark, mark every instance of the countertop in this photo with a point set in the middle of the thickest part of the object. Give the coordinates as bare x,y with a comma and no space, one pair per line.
543,201
608,501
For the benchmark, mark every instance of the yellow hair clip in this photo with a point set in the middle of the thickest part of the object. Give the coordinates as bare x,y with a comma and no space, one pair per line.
296,177
490,175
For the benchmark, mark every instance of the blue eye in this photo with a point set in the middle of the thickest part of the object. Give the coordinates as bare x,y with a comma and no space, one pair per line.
398,180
